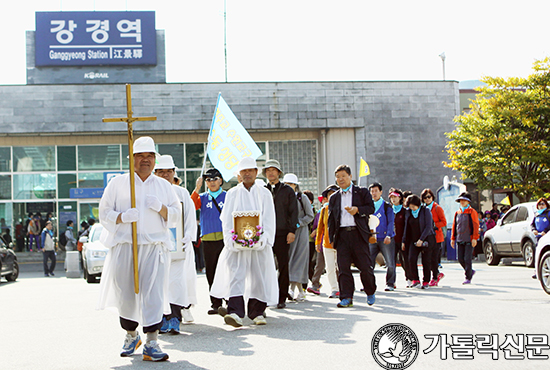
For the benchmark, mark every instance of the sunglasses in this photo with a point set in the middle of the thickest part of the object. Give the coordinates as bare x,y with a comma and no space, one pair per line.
212,179
427,197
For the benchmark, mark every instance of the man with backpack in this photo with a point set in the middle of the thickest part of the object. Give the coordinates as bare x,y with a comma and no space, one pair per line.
385,234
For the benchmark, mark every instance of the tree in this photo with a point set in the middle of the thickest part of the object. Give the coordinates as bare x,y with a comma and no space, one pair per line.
504,141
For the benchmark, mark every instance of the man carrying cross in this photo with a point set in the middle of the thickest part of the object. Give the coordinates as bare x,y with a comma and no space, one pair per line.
157,209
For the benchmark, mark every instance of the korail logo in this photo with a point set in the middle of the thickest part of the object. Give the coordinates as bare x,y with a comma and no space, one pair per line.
94,75
395,346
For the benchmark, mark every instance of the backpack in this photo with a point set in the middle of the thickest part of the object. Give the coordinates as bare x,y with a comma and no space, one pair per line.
63,239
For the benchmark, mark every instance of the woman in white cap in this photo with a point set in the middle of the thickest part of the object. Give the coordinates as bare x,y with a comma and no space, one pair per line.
157,209
183,276
298,261
247,273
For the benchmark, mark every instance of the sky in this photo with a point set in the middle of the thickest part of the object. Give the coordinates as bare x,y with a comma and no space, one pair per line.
306,40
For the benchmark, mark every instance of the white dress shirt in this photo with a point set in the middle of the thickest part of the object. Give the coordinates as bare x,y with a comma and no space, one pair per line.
346,219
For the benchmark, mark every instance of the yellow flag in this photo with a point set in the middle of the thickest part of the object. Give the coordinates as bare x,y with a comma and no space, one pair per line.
365,170
506,201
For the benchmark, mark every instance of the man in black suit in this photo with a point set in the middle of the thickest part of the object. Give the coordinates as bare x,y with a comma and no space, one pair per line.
349,210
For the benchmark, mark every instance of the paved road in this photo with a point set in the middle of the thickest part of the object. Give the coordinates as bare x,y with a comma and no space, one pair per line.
51,323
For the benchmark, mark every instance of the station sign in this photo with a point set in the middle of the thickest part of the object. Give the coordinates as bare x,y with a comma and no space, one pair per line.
95,38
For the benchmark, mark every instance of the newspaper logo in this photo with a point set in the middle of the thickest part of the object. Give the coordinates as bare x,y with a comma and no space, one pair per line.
395,346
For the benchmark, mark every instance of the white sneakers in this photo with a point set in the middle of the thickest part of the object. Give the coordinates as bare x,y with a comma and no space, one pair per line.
186,314
233,319
260,320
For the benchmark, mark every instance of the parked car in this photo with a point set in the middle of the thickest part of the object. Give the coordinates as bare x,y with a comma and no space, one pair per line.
93,254
542,262
512,236
9,268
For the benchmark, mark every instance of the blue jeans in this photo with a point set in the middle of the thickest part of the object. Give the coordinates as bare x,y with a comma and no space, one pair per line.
388,251
464,251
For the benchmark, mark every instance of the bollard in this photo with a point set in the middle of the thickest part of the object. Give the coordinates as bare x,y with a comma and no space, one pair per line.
72,262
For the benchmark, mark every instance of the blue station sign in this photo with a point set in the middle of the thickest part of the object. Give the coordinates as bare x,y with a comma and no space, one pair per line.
95,38
86,193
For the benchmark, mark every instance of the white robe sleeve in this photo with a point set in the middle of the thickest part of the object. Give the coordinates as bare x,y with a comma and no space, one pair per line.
268,217
227,218
190,226
173,207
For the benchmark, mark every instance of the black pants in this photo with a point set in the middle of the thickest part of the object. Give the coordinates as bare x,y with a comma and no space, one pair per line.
212,250
464,253
281,249
255,307
312,261
351,248
403,257
49,255
175,312
429,260
130,325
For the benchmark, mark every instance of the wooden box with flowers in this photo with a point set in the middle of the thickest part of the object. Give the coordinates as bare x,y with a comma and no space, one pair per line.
246,230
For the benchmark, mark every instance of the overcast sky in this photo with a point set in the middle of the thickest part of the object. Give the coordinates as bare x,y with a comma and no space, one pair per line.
306,40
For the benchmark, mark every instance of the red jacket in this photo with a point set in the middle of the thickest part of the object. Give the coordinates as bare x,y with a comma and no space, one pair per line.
440,221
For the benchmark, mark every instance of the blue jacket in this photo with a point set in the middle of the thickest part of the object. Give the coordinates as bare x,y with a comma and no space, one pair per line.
386,227
541,223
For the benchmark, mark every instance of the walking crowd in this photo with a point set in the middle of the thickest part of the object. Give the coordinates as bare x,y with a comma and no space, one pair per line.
263,242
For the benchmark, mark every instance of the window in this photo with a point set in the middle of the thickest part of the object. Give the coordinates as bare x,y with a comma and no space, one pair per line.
5,160
194,155
98,157
5,187
90,180
509,218
175,150
298,157
65,182
34,186
523,213
66,158
34,158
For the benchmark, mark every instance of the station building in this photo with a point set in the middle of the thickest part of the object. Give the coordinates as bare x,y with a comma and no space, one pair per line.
56,154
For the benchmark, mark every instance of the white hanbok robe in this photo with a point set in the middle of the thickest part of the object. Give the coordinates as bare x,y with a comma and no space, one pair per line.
153,236
183,276
250,274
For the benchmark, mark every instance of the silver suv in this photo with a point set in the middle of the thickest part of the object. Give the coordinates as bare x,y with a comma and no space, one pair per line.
512,236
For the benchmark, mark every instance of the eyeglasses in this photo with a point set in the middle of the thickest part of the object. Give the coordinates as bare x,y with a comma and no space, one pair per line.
212,179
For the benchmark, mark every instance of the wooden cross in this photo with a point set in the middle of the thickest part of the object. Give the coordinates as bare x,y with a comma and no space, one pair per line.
130,119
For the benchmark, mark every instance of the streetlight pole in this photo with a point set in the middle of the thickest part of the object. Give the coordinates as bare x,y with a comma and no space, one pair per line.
442,56
225,35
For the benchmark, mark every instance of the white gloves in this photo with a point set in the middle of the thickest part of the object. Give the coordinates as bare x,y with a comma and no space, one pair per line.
131,215
186,242
153,202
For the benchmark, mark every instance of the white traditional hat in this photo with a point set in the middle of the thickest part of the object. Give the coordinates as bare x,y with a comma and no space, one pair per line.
145,144
165,162
291,178
247,163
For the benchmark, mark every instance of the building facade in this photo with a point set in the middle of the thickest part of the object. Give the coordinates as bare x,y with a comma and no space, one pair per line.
52,138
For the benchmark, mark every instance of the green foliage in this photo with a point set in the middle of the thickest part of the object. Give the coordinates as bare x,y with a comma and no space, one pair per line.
504,141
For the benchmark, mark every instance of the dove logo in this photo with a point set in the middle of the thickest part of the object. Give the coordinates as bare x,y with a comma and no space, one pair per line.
395,346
